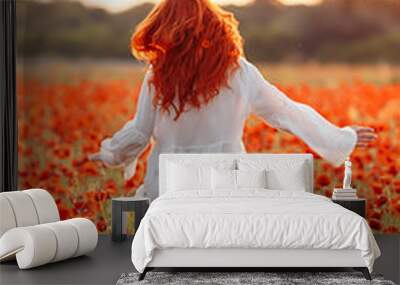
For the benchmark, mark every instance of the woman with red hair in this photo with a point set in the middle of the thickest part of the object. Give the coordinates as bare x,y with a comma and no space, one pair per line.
199,90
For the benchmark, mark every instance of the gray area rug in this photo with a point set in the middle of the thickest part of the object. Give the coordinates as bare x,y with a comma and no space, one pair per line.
243,278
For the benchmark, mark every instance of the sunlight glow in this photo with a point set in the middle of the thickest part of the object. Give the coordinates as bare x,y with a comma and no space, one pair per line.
298,2
121,5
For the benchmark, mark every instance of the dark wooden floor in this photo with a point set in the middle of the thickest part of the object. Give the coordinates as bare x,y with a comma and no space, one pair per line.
110,260
103,266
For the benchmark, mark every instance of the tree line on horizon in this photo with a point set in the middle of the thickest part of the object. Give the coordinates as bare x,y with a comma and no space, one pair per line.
354,31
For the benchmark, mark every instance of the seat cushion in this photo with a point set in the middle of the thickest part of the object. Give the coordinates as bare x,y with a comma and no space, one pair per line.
7,218
23,209
26,208
45,205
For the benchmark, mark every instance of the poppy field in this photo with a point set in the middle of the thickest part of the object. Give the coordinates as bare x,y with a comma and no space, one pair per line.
66,109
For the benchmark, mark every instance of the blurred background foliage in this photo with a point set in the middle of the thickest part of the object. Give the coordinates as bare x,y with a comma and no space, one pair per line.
77,85
351,31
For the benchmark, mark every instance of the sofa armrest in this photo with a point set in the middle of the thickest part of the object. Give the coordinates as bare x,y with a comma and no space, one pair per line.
41,244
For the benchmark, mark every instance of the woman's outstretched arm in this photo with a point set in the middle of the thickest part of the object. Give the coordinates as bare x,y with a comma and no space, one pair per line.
123,148
331,142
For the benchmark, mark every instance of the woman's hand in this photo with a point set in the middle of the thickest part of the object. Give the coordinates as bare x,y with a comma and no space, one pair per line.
98,156
95,156
365,135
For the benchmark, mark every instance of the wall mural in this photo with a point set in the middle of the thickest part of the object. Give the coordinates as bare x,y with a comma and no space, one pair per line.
67,106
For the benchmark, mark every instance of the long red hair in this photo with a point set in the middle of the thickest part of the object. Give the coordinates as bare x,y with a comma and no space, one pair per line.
193,46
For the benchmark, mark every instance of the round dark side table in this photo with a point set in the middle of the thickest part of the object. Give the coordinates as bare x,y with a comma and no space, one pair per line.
120,206
357,205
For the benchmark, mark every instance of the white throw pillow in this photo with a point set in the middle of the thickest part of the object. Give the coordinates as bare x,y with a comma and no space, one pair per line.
223,179
278,180
227,179
181,177
281,174
203,162
251,178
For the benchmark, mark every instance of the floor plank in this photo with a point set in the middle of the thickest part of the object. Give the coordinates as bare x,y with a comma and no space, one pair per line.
110,260
103,266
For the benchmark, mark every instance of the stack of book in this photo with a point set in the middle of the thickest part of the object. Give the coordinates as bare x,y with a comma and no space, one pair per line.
344,194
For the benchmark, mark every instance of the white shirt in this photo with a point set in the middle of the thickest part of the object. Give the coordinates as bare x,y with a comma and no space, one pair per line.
218,126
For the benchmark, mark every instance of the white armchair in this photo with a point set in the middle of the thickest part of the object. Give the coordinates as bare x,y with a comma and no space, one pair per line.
31,230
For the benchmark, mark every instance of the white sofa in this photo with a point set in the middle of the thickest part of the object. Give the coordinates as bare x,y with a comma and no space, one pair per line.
31,230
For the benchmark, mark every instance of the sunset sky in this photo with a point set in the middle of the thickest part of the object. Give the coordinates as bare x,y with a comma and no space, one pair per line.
120,5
